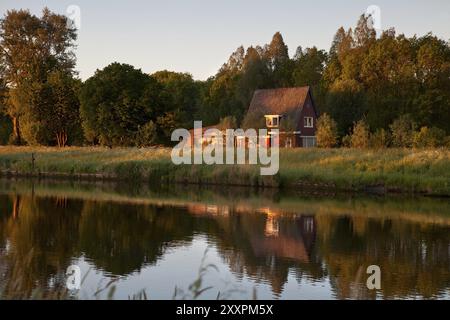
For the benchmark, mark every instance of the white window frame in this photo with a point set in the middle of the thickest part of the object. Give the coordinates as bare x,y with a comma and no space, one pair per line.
306,121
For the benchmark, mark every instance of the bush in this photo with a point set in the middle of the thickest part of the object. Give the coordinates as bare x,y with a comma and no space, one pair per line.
360,135
146,135
447,142
402,131
379,139
227,123
326,132
346,141
429,138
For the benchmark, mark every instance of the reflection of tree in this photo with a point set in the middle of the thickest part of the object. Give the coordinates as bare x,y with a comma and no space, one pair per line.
42,240
413,258
121,238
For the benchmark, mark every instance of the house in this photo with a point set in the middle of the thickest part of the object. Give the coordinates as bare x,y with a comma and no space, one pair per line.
290,110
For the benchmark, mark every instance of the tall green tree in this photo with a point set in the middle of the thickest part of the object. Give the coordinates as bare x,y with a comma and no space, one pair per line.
31,48
182,95
277,55
116,102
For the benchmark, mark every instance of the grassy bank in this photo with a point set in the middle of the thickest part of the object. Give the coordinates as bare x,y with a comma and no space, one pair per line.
392,170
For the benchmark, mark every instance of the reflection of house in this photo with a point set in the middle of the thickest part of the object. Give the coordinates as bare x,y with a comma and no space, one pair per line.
208,210
291,239
291,110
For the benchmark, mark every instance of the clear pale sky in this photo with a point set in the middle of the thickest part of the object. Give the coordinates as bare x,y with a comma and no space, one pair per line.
197,36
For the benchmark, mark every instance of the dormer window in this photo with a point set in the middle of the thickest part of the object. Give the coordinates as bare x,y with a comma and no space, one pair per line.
272,121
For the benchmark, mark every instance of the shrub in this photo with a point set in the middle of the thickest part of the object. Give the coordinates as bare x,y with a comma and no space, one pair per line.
146,135
326,132
360,135
227,123
402,131
429,138
447,142
346,141
379,139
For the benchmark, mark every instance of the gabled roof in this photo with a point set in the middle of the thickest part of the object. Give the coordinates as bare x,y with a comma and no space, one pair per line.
278,101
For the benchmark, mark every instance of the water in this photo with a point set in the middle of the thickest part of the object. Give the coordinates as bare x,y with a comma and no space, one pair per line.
128,240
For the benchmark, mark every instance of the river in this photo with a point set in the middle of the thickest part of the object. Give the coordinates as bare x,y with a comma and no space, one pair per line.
139,242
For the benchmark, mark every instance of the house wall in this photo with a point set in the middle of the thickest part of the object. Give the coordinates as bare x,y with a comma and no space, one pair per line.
307,111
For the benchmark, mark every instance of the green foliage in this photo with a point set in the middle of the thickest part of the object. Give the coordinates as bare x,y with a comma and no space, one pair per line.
402,130
429,138
146,135
386,78
345,103
326,132
116,102
32,48
360,135
166,123
181,94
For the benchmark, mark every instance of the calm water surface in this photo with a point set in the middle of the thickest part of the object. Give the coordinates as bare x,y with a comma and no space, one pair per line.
128,240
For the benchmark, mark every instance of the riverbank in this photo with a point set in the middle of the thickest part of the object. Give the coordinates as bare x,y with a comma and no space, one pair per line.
380,171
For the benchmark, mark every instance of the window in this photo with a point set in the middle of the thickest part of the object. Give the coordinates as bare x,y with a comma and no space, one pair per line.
272,121
308,142
308,122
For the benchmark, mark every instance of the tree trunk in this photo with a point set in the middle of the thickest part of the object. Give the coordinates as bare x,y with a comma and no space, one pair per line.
61,139
16,131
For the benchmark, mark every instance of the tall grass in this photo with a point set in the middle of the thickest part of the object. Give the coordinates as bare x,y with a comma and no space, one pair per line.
405,170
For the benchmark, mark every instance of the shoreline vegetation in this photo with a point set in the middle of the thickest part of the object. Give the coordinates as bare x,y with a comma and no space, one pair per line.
383,171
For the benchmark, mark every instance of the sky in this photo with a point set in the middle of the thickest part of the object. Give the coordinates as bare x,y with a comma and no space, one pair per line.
198,36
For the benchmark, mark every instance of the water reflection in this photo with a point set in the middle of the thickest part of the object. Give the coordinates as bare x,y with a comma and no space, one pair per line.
284,241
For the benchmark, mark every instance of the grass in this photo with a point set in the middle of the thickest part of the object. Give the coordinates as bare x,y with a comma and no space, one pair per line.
392,170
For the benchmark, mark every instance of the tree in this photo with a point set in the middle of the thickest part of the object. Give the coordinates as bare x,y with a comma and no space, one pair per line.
31,48
146,135
308,68
345,102
116,102
181,95
360,135
255,75
402,131
379,139
432,103
429,138
63,117
5,121
342,43
326,132
277,56
364,33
